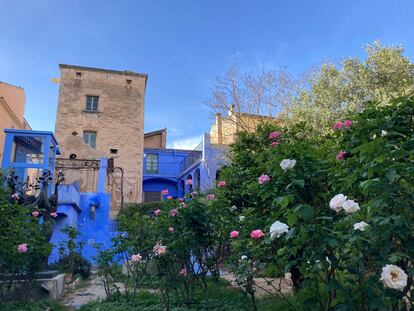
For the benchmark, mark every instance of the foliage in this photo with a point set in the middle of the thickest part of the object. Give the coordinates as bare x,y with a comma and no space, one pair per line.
39,305
70,252
319,96
18,226
321,248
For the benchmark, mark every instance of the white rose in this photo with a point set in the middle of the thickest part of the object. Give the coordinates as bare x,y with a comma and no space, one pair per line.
384,133
287,164
350,206
362,225
242,218
233,208
337,202
243,257
394,277
277,229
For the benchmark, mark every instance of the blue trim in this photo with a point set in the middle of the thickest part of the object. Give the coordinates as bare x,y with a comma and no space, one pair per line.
32,133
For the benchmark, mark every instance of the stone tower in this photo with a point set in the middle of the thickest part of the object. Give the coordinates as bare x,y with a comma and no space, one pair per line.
101,114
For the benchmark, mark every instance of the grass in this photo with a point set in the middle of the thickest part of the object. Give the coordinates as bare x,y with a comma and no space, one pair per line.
39,305
232,299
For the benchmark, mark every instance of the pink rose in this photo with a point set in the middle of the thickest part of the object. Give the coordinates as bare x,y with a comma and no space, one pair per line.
183,272
171,229
194,193
170,197
347,123
189,182
35,213
338,125
341,155
234,234
159,249
165,191
180,200
221,184
136,258
54,214
157,212
257,234
173,212
275,143
274,135
263,179
211,197
22,248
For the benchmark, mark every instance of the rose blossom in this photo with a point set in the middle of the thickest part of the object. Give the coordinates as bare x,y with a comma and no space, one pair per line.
54,214
242,218
233,208
234,234
337,202
277,229
341,155
211,197
159,249
338,125
170,197
173,212
183,272
350,206
287,164
384,133
263,179
35,213
182,205
15,196
180,200
221,184
194,193
275,143
257,234
362,225
157,212
394,277
22,248
243,257
189,182
274,135
347,123
171,229
136,258
165,191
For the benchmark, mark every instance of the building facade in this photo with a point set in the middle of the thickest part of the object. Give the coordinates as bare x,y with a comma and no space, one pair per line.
170,169
101,114
12,105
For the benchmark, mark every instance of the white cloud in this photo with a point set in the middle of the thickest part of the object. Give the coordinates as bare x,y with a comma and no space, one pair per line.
187,143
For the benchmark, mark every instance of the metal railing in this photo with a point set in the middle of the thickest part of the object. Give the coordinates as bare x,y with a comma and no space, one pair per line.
192,157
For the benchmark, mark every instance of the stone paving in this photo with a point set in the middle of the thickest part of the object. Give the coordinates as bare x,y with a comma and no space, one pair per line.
93,290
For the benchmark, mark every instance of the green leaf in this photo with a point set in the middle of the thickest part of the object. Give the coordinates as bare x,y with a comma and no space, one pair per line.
292,219
304,211
283,202
390,174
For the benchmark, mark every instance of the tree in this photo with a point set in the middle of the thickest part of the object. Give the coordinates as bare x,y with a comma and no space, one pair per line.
318,97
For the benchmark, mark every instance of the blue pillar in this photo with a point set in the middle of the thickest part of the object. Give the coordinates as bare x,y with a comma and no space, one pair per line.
103,165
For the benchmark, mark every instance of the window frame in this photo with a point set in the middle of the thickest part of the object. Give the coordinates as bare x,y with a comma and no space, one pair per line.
151,166
89,134
93,105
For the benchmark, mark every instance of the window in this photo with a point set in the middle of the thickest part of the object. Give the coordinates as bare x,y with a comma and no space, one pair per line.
92,103
128,81
113,151
152,196
78,75
152,164
90,138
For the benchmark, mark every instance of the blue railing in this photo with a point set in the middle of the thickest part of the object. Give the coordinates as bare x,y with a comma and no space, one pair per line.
194,156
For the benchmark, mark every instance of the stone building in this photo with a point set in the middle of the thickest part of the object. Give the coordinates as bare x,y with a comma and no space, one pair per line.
156,139
224,129
101,114
12,104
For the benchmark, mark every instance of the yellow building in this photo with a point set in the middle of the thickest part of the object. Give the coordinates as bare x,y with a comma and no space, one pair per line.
12,104
224,129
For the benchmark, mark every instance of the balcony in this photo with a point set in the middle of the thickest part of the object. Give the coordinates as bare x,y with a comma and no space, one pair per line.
193,157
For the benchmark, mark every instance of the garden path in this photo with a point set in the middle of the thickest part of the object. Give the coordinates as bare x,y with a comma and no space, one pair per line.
92,290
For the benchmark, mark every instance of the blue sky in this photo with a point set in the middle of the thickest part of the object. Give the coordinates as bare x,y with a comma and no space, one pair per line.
183,45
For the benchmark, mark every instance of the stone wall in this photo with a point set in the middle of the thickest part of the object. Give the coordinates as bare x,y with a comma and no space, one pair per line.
118,123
